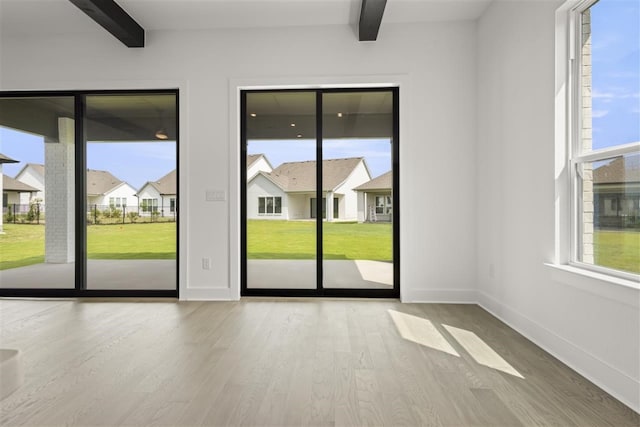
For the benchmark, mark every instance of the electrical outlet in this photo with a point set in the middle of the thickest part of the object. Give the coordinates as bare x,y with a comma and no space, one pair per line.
206,263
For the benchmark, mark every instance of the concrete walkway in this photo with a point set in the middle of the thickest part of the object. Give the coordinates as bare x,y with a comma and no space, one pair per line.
101,274
301,274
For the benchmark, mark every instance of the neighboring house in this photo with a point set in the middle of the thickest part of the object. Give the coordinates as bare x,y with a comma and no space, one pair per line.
289,191
257,163
32,174
12,190
159,196
375,201
616,193
104,190
3,159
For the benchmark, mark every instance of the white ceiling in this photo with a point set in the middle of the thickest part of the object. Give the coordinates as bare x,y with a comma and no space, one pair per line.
60,16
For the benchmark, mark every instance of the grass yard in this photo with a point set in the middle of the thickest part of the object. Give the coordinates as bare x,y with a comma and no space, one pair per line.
618,249
23,244
297,240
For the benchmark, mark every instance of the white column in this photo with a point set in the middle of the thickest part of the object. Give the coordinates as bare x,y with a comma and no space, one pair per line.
329,206
59,193
362,214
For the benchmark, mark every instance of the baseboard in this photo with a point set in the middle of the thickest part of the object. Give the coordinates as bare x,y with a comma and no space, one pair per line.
613,381
207,294
444,296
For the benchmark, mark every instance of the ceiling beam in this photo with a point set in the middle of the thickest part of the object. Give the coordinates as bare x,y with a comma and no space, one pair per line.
370,18
114,19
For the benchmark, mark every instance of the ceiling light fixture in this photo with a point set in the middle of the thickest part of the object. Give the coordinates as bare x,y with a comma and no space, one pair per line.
299,135
253,115
293,125
339,114
162,134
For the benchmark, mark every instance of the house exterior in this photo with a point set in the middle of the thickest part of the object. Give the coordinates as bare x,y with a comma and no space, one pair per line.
12,190
288,192
104,190
375,199
31,174
257,163
616,193
159,196
3,159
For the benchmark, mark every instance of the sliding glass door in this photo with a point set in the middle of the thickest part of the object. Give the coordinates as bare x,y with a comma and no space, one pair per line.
90,193
319,191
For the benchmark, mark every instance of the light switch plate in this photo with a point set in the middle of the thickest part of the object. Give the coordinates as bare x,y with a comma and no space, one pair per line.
215,196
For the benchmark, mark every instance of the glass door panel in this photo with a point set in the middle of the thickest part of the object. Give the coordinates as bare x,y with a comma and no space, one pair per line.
131,200
281,190
37,164
358,186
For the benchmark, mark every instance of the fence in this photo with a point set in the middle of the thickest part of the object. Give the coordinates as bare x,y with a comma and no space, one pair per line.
96,214
23,214
105,214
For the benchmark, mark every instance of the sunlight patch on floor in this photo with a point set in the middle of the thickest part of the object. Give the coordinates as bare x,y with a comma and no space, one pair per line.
421,331
481,352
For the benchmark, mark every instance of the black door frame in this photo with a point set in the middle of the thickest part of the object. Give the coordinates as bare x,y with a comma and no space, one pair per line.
80,155
320,291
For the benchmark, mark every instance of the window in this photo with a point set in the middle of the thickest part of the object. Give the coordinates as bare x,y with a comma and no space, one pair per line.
605,147
124,202
383,205
112,201
149,205
172,204
269,205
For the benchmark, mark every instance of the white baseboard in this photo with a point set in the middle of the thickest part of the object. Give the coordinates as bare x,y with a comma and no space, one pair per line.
207,294
445,296
616,383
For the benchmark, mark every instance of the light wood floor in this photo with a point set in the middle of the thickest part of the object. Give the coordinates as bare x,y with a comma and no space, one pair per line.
287,362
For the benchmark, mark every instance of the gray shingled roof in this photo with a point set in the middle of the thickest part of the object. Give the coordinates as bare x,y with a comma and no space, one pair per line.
301,176
100,182
7,159
252,158
10,184
382,182
166,185
621,169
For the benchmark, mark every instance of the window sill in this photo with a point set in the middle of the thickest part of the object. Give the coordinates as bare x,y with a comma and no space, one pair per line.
615,288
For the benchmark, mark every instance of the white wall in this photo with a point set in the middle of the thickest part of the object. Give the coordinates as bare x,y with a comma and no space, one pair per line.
260,165
592,325
433,63
349,203
29,177
262,187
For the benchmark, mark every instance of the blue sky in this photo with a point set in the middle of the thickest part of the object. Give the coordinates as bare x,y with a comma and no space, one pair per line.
616,113
615,50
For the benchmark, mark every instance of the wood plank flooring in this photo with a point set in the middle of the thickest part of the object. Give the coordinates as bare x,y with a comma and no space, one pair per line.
286,362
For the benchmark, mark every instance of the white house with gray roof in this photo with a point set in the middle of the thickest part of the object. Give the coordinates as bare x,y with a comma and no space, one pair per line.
103,188
375,199
159,196
288,192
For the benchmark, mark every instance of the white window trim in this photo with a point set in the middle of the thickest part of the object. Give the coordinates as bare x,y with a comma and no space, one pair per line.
274,213
568,143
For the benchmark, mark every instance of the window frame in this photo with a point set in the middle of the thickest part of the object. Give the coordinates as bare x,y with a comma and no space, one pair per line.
576,154
273,205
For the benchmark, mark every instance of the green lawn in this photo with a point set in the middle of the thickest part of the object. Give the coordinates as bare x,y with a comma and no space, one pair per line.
297,240
618,249
23,244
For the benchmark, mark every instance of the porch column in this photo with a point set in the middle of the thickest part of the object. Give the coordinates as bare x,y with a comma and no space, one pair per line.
329,206
59,183
362,206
